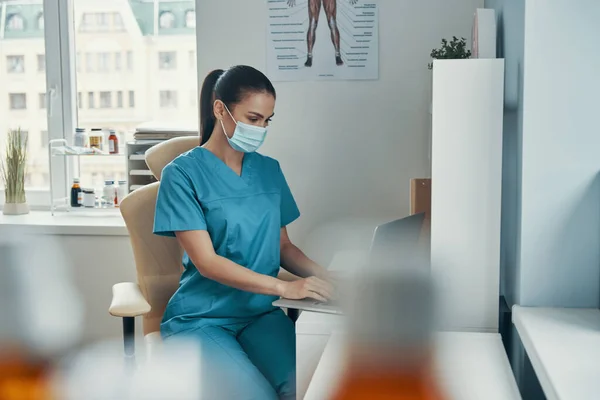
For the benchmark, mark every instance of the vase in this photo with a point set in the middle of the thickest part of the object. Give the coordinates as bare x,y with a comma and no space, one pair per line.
15,209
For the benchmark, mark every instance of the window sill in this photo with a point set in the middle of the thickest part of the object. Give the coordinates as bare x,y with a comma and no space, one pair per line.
109,223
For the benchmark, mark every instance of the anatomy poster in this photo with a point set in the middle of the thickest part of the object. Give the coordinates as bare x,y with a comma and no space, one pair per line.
322,40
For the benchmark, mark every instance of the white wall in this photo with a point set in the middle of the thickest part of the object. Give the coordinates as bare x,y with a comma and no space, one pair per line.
348,148
94,265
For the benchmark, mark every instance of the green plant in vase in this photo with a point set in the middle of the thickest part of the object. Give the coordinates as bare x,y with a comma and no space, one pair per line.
12,169
451,50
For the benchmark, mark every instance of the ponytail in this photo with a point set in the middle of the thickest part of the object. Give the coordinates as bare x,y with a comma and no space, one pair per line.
207,99
230,87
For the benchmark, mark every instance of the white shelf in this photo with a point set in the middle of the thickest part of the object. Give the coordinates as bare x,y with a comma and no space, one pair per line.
140,172
137,157
563,345
466,193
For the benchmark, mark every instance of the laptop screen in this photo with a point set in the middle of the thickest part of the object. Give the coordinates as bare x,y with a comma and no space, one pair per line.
399,243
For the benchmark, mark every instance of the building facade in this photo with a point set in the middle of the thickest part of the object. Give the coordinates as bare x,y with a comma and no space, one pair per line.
135,63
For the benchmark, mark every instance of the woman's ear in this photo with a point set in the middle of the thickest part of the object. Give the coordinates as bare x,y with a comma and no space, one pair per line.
219,110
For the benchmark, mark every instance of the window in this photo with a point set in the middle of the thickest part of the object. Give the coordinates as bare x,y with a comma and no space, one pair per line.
89,62
15,22
105,99
190,19
193,98
168,99
22,98
129,93
117,21
167,60
103,61
166,20
79,100
15,64
130,61
41,63
131,99
87,22
40,21
117,61
17,101
42,101
102,21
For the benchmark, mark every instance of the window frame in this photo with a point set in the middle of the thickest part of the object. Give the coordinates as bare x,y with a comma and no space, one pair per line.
10,57
61,106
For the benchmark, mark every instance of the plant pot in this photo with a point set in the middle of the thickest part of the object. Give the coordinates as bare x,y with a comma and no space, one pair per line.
15,209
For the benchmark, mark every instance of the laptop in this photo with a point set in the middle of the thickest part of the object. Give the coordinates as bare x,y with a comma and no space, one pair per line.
392,242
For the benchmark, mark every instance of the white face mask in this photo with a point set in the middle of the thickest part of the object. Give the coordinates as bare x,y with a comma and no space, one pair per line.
246,138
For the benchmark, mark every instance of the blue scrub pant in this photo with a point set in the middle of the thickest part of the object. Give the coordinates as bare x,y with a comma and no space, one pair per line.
254,360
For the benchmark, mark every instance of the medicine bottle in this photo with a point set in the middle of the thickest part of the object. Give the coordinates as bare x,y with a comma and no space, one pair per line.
390,354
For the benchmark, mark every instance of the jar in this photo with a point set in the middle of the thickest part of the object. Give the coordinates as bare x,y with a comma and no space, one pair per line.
80,138
109,194
89,198
96,138
122,191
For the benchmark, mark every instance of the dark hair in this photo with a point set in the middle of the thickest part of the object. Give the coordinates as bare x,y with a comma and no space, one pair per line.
229,86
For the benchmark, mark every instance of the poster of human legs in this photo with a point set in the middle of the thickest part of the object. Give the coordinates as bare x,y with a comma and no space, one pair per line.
322,40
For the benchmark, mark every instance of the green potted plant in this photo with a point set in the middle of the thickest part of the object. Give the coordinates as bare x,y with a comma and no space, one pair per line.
451,50
12,169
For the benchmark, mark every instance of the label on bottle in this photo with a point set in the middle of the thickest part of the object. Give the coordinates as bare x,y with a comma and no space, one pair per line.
111,146
80,197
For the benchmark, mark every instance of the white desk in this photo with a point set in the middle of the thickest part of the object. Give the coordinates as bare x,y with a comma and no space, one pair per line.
564,348
470,366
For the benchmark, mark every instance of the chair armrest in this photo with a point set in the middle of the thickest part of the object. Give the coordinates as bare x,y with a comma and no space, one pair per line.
128,301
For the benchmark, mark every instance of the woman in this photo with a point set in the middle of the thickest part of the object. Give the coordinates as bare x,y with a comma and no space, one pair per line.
229,207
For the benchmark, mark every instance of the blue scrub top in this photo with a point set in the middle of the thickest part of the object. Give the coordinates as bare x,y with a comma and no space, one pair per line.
243,216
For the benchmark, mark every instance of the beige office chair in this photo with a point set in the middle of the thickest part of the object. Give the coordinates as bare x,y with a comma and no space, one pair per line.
157,258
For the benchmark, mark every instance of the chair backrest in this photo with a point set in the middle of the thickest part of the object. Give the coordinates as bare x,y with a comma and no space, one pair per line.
157,258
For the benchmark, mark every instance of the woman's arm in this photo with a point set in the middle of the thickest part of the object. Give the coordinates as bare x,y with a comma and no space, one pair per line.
296,262
199,248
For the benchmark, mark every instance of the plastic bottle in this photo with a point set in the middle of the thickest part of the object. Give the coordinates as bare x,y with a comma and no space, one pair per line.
109,194
80,138
76,194
122,191
390,350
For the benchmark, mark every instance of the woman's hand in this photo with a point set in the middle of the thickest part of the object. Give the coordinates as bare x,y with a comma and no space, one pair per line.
311,287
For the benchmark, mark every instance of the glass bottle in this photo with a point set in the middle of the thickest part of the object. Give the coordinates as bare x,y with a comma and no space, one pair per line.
113,143
76,194
390,350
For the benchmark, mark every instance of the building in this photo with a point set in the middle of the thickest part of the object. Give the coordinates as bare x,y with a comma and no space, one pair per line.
135,62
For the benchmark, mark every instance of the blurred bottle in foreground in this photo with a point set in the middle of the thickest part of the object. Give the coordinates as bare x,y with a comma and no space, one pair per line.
40,315
390,329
